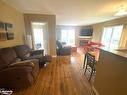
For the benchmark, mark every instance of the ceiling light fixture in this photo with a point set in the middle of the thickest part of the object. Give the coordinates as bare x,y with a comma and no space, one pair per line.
122,11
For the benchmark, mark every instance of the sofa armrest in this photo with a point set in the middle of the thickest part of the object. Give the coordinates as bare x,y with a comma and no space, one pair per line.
15,69
16,77
31,63
65,51
35,52
67,48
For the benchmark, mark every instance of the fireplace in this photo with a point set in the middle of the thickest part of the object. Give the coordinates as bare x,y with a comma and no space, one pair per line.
83,42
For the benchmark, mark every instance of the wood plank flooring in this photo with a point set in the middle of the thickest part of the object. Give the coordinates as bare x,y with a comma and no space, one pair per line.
63,76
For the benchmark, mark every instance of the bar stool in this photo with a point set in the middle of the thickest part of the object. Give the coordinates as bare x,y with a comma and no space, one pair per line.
90,64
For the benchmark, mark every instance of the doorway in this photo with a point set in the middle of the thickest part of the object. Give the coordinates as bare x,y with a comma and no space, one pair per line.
38,35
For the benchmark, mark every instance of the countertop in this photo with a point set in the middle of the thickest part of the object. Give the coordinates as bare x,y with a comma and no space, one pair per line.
120,51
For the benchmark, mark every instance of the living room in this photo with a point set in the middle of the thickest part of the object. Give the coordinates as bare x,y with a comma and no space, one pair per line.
79,27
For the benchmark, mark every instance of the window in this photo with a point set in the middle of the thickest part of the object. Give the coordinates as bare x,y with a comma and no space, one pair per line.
68,36
111,36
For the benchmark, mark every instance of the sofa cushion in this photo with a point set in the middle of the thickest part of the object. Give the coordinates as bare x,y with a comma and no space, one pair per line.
7,55
22,50
39,56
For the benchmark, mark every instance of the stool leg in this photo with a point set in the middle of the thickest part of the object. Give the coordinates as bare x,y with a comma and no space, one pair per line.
91,75
84,61
85,70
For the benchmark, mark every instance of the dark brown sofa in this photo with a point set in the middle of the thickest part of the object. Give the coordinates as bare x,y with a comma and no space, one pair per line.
63,50
25,53
15,73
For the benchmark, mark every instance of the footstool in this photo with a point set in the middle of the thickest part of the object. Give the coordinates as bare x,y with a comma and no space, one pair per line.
45,59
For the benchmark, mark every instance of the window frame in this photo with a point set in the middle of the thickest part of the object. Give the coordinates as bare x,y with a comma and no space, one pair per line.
111,36
69,30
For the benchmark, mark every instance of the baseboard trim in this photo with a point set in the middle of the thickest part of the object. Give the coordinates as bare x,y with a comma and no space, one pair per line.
95,91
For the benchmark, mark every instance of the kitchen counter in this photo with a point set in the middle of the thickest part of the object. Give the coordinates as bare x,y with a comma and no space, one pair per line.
120,52
111,72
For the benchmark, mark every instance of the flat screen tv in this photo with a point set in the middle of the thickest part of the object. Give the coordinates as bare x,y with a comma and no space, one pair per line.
86,32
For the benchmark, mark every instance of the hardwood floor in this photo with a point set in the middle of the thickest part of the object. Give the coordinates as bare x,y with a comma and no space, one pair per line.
63,76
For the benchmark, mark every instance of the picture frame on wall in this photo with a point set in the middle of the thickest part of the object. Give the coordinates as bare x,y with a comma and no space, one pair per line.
2,25
6,31
8,27
3,36
10,35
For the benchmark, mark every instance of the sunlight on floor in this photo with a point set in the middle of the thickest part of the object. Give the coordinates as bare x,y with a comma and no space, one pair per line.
73,60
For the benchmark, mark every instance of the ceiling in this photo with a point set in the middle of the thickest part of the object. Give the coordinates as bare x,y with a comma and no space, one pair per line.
71,12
